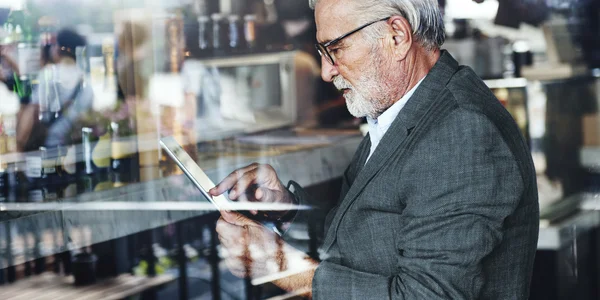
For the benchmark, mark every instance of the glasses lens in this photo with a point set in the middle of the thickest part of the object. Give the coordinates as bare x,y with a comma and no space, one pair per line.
323,52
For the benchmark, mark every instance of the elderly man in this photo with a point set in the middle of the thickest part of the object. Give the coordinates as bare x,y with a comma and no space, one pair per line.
440,200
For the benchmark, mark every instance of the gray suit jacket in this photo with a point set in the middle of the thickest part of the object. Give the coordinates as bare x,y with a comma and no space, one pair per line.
446,208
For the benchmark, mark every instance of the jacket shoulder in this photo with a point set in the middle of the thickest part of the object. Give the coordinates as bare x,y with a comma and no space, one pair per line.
472,95
470,92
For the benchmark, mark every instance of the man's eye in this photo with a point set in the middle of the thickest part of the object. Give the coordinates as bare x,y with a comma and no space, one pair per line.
335,50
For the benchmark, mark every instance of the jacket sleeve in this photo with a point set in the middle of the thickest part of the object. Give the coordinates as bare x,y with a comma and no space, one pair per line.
459,184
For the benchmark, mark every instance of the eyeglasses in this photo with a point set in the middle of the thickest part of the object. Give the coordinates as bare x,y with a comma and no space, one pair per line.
322,48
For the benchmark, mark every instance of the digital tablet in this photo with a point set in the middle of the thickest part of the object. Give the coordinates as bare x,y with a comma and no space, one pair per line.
193,171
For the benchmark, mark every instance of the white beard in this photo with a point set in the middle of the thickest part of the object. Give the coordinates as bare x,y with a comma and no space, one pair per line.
358,105
364,99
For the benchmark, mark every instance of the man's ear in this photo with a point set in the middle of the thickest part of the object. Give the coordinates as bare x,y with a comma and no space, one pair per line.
402,38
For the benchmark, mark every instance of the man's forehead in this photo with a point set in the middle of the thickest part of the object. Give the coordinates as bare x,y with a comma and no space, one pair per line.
334,18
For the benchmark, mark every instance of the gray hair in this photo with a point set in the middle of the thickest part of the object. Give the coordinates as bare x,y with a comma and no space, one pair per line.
424,16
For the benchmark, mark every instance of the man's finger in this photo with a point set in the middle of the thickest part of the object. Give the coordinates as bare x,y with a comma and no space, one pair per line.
231,180
243,184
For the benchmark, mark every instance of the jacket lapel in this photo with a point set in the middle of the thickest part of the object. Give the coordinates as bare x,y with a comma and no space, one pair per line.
364,154
399,133
358,162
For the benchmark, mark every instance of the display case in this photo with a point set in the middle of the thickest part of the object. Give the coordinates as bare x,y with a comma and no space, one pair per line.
243,94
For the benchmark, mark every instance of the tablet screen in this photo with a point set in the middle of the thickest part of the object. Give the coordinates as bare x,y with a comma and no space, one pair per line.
193,171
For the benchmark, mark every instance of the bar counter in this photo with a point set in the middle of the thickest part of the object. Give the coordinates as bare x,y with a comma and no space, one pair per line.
99,216
48,228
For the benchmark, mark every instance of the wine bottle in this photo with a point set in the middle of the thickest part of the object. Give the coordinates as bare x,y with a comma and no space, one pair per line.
11,271
124,161
113,257
218,33
94,162
56,266
33,171
69,171
50,173
4,260
85,168
3,167
39,262
27,252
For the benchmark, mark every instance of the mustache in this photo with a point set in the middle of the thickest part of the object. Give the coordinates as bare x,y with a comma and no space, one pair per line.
341,83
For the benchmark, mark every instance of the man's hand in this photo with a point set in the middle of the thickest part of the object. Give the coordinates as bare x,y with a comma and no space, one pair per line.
254,183
254,251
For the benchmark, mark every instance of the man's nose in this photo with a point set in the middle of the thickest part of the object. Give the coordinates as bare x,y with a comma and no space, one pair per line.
328,71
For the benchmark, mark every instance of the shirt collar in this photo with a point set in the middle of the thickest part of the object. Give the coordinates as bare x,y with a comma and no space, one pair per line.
387,118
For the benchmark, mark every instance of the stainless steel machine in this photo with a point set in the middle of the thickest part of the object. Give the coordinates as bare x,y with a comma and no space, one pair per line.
564,113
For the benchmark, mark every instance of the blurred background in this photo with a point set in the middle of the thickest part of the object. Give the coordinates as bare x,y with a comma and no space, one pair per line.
92,208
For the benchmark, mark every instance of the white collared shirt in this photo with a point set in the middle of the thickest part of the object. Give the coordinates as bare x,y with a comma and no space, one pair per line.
378,127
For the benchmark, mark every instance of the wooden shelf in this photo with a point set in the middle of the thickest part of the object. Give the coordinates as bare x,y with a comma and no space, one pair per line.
55,287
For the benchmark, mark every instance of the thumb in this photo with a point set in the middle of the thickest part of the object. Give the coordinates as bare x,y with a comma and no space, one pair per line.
236,219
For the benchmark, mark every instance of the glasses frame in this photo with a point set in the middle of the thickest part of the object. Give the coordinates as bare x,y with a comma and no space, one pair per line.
322,47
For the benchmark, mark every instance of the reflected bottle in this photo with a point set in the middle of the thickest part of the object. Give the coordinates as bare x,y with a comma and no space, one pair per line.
217,32
233,32
39,262
101,153
51,169
93,168
4,184
204,35
11,270
123,158
68,176
33,171
85,169
250,31
49,101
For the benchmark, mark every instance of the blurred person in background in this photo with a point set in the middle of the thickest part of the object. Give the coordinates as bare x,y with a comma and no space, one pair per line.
133,66
61,95
440,200
8,67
